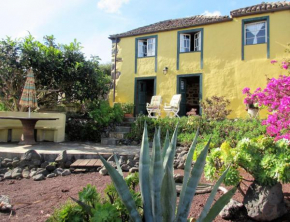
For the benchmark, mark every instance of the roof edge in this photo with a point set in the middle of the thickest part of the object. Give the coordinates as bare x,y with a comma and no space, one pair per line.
262,12
112,37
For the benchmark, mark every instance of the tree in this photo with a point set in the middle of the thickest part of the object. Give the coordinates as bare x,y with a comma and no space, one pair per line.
61,71
106,68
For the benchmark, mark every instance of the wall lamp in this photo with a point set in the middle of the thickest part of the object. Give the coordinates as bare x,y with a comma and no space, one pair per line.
165,70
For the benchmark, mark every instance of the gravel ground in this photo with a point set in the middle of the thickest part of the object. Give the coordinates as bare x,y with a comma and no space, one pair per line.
36,201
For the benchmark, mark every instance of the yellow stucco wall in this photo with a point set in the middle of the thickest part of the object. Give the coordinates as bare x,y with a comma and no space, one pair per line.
223,73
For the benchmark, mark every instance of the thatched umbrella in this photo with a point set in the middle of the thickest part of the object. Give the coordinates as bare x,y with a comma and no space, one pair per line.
28,97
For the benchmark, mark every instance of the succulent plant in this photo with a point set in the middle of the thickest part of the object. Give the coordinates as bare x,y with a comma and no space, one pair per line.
157,185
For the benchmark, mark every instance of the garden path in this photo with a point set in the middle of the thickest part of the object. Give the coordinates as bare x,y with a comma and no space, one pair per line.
77,149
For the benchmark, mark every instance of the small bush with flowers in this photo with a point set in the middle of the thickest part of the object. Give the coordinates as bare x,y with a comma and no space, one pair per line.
276,97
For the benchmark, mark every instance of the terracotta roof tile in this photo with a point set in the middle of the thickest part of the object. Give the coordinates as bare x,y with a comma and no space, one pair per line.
174,24
264,7
204,20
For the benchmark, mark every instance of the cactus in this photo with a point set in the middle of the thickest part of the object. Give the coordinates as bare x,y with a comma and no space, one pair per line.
157,185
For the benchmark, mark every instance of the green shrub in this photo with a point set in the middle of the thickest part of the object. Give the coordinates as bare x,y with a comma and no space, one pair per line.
96,210
68,212
132,180
224,130
90,125
2,107
105,212
215,108
128,108
104,114
89,195
266,160
80,127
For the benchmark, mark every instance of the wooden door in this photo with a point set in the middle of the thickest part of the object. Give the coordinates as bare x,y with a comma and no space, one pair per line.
141,100
182,91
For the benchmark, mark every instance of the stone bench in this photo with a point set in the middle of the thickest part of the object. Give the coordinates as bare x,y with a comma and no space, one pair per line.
52,130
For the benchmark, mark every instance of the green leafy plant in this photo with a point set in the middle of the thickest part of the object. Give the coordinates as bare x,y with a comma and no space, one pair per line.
2,107
157,185
128,108
266,160
103,114
59,69
219,131
132,181
89,195
68,212
105,213
215,108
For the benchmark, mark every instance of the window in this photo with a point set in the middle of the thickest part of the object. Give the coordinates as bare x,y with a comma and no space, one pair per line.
255,33
190,42
146,47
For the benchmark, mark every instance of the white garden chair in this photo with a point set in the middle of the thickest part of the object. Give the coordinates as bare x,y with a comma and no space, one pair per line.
154,107
174,106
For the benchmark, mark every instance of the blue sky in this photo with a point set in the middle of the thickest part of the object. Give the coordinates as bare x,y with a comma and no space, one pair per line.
92,21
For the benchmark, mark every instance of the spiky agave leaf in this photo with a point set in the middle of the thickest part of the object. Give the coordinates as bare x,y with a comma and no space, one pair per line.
192,185
156,178
210,199
118,165
144,176
187,170
170,153
123,191
165,145
219,205
168,196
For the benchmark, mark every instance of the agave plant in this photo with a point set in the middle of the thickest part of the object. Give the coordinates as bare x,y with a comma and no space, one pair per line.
157,185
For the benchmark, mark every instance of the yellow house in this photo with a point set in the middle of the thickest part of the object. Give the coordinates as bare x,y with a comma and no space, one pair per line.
200,57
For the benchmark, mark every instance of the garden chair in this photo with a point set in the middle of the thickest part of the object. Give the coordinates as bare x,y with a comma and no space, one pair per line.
154,107
174,106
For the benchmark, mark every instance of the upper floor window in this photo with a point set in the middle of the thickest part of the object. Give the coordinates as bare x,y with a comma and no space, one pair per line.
190,42
255,33
146,47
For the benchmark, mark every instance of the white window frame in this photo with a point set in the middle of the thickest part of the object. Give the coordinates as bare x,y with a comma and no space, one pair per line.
254,23
146,47
185,42
197,42
151,47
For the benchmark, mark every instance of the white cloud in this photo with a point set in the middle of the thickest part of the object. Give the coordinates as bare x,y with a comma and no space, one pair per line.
111,6
215,13
98,44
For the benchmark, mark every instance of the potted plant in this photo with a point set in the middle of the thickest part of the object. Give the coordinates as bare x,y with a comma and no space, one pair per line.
251,101
128,109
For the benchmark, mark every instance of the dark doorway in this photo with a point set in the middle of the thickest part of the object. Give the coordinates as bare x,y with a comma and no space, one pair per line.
190,89
144,90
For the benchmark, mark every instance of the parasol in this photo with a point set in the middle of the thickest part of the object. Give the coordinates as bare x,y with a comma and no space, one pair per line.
28,97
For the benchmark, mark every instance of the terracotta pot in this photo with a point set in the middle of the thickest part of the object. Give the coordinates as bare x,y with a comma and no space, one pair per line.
128,115
253,112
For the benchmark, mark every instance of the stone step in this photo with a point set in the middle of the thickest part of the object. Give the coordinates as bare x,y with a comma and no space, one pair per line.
124,129
129,119
110,141
117,135
126,123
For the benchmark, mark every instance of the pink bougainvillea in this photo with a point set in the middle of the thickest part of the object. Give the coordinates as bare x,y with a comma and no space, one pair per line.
276,97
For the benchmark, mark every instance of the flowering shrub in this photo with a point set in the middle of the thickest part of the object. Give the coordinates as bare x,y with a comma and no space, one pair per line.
215,108
251,100
266,160
276,97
